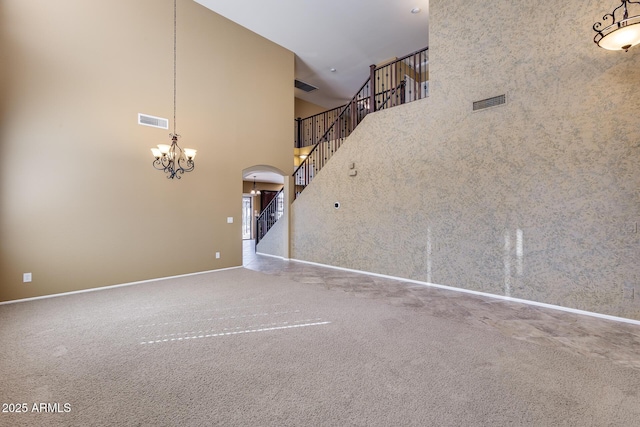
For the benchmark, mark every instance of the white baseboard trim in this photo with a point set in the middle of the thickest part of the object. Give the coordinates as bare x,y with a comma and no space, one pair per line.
273,256
102,288
484,294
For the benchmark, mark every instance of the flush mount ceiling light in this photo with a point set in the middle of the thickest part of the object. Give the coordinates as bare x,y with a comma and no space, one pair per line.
415,10
623,32
172,159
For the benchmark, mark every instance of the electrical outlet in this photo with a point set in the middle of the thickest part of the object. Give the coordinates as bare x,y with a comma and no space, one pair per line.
26,278
217,255
229,220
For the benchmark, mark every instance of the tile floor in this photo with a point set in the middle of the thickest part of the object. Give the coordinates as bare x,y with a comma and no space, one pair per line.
578,334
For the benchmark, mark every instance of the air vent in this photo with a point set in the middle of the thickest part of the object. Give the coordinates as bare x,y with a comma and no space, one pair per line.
489,102
156,122
304,86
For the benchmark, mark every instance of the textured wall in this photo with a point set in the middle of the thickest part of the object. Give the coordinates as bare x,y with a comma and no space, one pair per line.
274,242
537,199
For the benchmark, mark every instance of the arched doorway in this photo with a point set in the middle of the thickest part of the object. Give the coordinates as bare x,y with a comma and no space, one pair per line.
262,183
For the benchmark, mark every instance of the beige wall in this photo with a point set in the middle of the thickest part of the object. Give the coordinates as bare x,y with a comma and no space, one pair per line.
537,199
304,109
81,205
247,186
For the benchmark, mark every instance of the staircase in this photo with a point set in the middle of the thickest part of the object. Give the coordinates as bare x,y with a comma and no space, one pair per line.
269,215
395,83
398,82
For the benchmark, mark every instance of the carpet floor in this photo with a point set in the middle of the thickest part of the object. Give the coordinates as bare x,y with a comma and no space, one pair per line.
244,348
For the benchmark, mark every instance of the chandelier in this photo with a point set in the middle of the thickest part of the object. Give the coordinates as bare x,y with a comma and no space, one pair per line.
255,192
171,159
623,32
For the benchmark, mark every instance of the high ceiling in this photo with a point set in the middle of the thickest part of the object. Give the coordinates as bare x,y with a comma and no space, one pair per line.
345,35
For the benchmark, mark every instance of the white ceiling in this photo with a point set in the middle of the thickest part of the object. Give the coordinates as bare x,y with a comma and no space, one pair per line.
271,177
348,35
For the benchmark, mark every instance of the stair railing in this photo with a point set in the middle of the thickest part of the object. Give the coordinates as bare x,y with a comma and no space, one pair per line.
403,80
412,69
269,215
350,116
393,94
309,130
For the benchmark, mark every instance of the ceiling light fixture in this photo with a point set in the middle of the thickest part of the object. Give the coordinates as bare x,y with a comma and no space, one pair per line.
255,192
415,10
623,32
333,70
172,159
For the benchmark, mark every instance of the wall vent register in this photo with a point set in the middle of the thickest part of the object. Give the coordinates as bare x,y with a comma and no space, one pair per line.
489,102
156,122
304,86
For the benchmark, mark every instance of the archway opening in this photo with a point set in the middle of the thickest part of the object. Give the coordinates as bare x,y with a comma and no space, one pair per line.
261,185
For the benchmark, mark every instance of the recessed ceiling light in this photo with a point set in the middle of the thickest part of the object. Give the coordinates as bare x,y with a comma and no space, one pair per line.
415,10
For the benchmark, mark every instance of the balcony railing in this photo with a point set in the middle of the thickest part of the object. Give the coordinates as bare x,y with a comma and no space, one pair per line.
311,129
398,82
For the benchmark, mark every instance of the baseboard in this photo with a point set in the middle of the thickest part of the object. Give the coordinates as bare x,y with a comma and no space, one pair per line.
484,294
274,256
114,286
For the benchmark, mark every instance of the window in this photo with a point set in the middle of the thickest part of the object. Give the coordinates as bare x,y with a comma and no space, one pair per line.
247,219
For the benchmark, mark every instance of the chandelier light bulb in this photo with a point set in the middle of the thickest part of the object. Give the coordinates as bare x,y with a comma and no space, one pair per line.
622,39
190,153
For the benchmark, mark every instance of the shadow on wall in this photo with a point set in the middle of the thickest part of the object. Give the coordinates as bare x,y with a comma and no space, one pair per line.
5,88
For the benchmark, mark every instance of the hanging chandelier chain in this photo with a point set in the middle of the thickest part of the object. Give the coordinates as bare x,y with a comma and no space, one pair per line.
175,27
172,159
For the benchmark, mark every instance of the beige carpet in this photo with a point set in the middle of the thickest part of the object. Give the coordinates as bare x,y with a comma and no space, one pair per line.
242,348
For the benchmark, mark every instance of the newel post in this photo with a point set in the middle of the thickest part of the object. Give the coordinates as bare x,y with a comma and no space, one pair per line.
372,83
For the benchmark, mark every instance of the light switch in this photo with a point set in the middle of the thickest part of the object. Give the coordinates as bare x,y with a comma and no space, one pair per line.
229,220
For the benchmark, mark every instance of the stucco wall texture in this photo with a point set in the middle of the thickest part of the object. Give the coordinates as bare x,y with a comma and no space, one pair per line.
536,199
274,242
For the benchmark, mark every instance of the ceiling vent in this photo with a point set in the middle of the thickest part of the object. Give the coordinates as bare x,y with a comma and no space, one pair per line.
155,122
304,86
489,102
